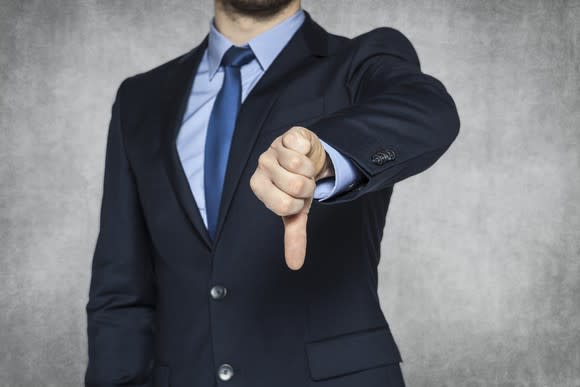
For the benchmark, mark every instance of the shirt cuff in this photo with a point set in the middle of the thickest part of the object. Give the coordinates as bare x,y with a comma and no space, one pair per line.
345,174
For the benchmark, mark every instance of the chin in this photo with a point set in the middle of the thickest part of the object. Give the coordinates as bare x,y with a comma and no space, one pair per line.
258,8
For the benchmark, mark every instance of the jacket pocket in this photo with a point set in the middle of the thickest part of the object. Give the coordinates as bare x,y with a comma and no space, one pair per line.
351,352
161,376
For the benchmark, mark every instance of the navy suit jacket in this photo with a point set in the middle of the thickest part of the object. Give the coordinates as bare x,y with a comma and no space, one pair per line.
152,317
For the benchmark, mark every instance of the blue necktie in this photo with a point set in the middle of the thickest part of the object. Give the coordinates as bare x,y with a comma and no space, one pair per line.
220,130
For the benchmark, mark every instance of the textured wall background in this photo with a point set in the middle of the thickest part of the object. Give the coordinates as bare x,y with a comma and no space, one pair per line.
480,275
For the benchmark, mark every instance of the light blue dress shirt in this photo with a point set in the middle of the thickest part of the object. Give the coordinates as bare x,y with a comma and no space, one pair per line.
207,83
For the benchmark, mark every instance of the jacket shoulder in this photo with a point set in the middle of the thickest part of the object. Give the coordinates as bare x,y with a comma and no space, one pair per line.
384,40
149,82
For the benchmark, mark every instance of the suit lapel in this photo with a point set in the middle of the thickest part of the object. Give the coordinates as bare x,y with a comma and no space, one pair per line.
176,92
308,41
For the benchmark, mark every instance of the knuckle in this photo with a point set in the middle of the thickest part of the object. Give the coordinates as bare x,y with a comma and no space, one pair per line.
253,182
297,186
262,159
294,163
277,143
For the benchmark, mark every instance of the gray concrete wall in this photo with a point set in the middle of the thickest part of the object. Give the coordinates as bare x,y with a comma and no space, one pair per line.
480,273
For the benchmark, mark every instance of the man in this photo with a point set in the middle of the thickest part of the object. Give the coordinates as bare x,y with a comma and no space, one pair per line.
245,193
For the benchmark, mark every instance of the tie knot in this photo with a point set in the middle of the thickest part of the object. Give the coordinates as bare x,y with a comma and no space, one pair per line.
237,56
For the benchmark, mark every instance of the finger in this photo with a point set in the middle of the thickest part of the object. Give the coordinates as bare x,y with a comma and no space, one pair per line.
296,140
273,198
293,184
295,162
292,160
295,239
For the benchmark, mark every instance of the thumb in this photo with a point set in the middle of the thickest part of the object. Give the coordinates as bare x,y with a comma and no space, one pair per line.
295,237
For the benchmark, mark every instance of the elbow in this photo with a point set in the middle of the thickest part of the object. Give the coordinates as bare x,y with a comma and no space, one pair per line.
453,124
441,113
448,123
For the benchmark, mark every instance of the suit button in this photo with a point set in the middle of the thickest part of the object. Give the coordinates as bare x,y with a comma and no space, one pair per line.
218,292
225,372
390,154
382,156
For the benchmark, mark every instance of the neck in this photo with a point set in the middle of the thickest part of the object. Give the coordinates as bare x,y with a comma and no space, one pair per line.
239,29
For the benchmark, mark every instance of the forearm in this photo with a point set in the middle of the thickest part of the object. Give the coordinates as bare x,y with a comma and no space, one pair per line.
400,120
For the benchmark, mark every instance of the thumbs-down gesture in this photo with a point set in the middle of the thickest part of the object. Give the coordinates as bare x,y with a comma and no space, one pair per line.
285,180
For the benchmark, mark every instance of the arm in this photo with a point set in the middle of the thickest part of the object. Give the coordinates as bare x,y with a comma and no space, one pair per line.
405,115
345,175
121,296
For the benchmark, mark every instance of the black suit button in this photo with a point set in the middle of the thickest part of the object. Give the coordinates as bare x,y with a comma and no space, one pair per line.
218,292
382,156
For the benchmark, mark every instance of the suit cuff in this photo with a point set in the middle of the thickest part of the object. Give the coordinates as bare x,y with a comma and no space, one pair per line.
346,174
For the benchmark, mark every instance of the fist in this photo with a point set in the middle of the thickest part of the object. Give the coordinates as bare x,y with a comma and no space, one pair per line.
285,180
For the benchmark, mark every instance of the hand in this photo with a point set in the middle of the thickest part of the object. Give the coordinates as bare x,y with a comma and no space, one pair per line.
285,180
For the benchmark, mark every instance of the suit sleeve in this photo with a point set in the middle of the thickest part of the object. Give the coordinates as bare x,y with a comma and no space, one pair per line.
121,295
400,120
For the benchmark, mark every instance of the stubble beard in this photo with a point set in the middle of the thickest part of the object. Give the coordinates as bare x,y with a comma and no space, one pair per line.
258,9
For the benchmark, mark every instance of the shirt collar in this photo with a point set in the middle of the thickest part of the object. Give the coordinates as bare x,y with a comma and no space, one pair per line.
266,46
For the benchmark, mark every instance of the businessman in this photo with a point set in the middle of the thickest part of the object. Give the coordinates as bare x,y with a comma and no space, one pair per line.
245,193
